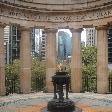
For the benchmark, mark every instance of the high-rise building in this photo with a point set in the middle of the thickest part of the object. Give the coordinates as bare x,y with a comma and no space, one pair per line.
82,43
91,37
6,43
39,43
110,45
11,43
14,43
36,39
43,46
64,45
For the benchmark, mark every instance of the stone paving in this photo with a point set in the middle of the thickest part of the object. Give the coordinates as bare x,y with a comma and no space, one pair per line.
34,102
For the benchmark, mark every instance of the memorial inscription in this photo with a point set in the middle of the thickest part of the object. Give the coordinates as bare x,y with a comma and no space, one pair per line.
70,17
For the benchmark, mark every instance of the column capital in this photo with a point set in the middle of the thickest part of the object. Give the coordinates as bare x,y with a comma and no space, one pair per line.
102,27
50,30
79,30
24,28
2,25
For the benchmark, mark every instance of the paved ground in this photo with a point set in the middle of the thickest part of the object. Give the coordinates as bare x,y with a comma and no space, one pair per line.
34,102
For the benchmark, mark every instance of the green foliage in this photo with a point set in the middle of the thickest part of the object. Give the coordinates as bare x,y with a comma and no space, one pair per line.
38,67
12,77
110,73
110,81
89,55
12,72
89,60
38,74
13,69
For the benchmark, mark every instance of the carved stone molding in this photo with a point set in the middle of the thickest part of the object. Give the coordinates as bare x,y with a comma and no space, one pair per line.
19,13
2,25
76,30
50,30
103,27
24,28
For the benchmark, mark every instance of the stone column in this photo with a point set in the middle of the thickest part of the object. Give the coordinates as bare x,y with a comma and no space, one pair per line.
102,60
2,61
25,57
76,62
50,57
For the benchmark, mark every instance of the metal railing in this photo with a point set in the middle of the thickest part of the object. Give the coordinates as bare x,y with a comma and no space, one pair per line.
89,83
12,85
38,83
110,84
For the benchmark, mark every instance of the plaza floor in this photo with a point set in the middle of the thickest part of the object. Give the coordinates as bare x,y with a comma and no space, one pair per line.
35,102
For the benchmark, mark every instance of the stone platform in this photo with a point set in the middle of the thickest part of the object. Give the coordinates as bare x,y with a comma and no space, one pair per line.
35,102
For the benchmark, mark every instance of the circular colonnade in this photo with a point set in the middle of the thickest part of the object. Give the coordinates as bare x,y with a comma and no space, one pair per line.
52,15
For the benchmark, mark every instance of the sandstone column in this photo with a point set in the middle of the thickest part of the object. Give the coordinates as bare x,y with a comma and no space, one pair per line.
25,57
50,57
2,61
102,60
76,75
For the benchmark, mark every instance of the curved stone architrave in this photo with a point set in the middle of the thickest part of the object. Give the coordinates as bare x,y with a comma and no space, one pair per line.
9,14
50,30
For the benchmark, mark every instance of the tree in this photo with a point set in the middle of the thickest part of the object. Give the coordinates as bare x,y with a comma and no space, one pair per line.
12,72
89,60
38,74
38,67
89,55
12,77
89,68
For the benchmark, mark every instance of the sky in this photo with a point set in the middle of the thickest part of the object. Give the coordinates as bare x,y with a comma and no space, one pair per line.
83,34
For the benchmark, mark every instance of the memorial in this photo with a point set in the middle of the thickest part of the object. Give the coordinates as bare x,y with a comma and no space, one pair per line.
52,15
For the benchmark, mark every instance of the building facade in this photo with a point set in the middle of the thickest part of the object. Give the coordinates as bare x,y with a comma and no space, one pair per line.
39,43
14,43
11,43
110,46
36,42
43,45
64,45
91,37
6,43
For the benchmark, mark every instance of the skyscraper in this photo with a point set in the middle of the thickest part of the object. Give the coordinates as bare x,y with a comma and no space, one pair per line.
91,37
64,45
110,45
43,46
11,43
38,40
14,43
35,40
6,43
